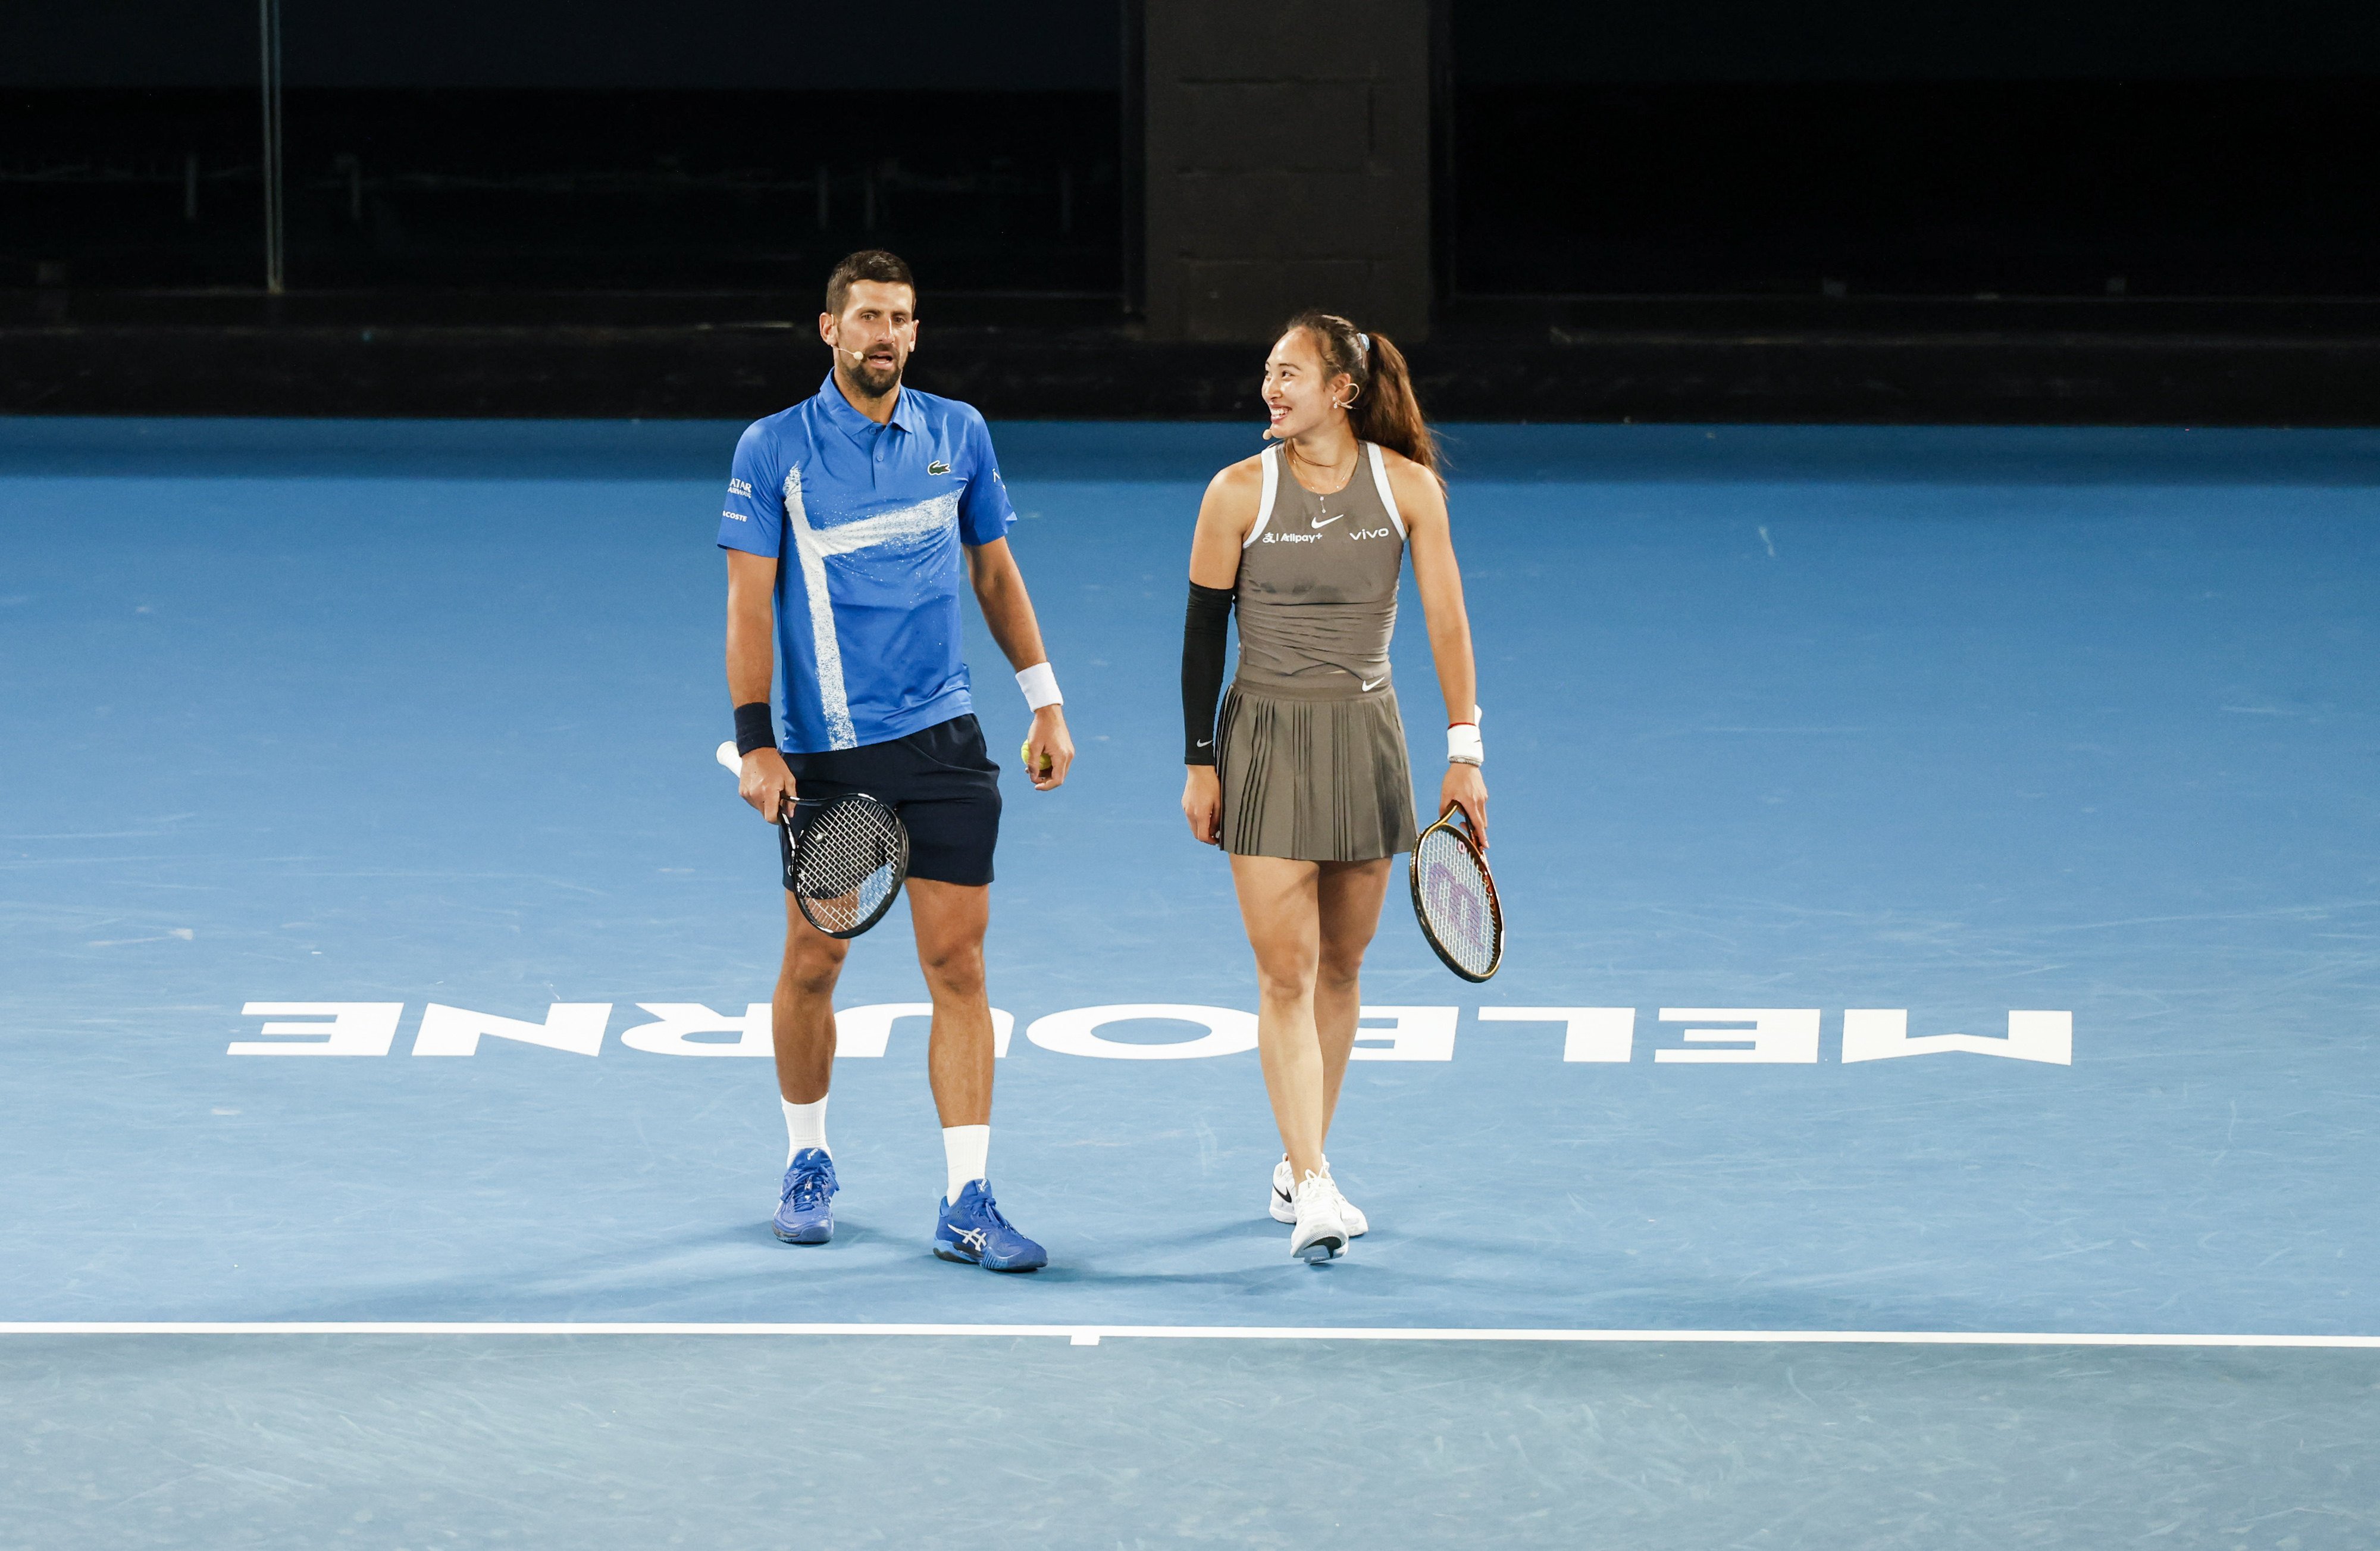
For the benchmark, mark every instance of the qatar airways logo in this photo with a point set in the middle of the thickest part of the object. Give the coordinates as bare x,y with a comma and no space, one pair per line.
1701,1036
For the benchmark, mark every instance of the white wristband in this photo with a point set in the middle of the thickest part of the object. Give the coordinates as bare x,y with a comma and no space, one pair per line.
1462,745
1040,687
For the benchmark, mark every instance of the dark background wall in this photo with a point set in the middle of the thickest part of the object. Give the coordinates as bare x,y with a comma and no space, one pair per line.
2129,210
531,144
1019,45
1288,165
1701,147
1028,46
2112,147
1515,41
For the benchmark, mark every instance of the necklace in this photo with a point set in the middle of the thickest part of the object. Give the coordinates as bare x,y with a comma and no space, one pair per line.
1330,471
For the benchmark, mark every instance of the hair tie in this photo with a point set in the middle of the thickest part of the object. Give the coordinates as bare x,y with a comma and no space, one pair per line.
1363,343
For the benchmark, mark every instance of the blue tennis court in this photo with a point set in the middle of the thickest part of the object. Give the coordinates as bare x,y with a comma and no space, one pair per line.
377,932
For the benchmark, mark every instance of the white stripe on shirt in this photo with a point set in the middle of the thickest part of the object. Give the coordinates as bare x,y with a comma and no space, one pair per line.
812,545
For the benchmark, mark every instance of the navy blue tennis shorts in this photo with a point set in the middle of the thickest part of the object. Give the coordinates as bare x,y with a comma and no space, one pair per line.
941,780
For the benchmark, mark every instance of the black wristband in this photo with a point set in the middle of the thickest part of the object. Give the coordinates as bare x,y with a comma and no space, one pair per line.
755,728
1203,626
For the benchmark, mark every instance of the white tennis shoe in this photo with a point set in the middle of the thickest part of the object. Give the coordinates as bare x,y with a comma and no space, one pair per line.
1358,1224
1321,1233
1284,1200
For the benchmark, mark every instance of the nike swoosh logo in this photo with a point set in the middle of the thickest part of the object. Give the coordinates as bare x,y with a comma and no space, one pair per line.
1382,679
1204,741
1326,521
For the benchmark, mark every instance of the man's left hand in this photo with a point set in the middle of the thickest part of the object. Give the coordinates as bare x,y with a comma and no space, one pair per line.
1048,750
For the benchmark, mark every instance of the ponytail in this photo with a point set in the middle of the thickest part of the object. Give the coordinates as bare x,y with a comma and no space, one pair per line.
1384,409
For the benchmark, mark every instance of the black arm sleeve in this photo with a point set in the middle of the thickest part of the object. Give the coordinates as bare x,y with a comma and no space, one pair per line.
1202,670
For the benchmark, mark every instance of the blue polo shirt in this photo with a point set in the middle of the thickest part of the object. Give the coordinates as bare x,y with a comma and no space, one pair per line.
865,521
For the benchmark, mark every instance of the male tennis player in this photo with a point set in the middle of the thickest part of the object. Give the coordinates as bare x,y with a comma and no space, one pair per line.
850,520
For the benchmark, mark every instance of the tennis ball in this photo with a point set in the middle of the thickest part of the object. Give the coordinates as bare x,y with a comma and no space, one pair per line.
1026,748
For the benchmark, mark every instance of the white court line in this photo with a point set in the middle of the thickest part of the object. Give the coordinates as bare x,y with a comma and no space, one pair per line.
1091,1335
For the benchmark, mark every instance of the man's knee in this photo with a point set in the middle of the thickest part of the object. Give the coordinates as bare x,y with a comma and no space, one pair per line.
953,969
950,919
813,964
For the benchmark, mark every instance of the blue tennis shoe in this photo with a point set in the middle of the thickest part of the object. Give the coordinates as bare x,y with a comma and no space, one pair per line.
806,1204
973,1233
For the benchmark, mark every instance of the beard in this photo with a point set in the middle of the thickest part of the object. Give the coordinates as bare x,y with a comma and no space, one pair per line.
872,380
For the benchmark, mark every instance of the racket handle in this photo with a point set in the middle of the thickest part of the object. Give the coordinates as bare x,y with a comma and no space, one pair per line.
730,758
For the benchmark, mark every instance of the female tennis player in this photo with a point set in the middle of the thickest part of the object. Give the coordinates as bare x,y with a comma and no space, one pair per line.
1303,779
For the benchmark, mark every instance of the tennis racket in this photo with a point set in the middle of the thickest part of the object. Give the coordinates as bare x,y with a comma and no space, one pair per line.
846,866
1454,899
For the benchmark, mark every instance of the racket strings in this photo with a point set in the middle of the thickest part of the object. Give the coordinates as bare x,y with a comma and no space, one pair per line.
847,865
1458,906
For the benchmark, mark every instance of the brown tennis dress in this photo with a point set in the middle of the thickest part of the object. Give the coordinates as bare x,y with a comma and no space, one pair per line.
1309,749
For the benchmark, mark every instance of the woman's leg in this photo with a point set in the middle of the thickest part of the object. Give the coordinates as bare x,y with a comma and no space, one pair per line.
1348,897
1277,905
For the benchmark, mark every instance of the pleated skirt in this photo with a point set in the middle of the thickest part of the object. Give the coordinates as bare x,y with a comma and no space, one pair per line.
1314,780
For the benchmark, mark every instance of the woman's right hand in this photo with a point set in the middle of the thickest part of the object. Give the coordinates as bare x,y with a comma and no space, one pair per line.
1202,804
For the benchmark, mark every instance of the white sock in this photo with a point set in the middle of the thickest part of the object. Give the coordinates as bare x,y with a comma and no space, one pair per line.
805,1127
965,1148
